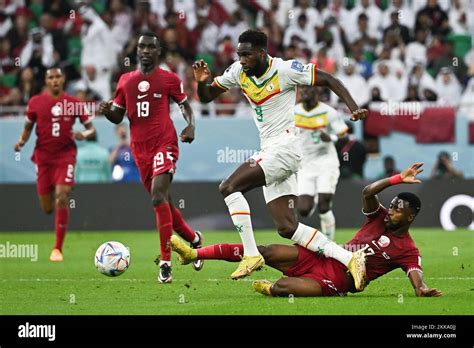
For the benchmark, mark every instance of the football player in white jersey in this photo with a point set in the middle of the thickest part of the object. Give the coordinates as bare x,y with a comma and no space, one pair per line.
319,127
270,87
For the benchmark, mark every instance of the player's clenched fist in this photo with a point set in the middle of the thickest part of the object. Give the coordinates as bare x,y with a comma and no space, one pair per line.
359,114
201,71
187,135
19,145
104,107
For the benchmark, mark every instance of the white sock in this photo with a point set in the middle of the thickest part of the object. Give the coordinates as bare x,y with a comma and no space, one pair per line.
314,240
328,224
239,211
163,262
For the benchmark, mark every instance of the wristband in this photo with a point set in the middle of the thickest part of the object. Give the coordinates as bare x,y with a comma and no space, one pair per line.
333,137
395,179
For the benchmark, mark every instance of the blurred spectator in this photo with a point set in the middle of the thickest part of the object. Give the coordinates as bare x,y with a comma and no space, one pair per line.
364,67
448,87
57,35
204,36
7,60
232,28
301,34
18,35
145,20
415,52
354,82
443,168
420,78
274,34
389,168
448,58
38,53
179,31
362,34
275,9
405,14
412,94
5,23
396,29
337,11
28,85
92,165
313,17
99,53
458,18
371,12
466,100
390,87
122,22
352,156
121,160
437,17
323,62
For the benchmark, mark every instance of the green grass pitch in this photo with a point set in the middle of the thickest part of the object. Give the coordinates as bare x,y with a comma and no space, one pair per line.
74,287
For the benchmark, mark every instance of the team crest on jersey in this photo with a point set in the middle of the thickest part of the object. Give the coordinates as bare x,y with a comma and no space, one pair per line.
56,110
270,87
383,241
143,86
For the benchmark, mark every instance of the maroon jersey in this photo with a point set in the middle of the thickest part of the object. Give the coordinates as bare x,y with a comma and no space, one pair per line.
146,99
54,118
386,251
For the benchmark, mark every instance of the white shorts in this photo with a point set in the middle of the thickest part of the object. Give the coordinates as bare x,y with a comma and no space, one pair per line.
280,164
314,178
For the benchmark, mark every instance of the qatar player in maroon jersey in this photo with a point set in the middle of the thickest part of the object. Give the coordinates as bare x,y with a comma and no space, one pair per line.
55,113
144,94
384,237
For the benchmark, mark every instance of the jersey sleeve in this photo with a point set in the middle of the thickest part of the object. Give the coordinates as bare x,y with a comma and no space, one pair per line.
30,112
337,124
411,262
299,73
176,91
229,79
119,97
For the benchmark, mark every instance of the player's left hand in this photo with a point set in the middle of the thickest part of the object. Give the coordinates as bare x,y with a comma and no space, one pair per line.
359,114
427,292
324,136
79,136
409,174
187,135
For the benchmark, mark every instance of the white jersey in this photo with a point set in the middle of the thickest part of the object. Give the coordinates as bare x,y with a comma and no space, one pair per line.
309,123
272,96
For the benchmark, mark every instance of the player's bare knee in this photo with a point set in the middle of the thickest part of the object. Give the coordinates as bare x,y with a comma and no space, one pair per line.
304,211
47,209
226,188
287,229
158,198
61,200
323,207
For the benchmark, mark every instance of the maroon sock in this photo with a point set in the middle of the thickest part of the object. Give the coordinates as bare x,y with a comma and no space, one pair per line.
181,227
227,252
164,223
61,223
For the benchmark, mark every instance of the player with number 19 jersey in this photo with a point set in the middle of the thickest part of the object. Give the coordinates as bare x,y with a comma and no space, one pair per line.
146,99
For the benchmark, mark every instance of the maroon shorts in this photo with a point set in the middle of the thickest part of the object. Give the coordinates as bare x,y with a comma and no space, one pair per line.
153,158
328,272
51,174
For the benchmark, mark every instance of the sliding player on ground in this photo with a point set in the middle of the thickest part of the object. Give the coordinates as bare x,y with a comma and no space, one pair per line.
319,127
55,113
144,94
270,86
384,238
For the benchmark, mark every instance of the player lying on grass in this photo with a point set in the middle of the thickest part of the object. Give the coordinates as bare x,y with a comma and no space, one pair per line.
54,112
270,87
384,238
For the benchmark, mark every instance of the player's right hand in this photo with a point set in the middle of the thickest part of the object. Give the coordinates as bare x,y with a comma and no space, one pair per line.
105,107
409,174
427,292
18,146
201,71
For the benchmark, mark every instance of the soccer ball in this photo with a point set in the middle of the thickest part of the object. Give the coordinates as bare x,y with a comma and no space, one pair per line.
112,259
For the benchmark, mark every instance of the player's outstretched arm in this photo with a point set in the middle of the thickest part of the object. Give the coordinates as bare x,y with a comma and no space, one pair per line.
325,79
421,289
370,201
187,135
205,91
112,113
25,135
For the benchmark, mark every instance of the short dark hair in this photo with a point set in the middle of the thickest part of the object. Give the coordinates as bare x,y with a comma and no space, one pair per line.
255,37
415,203
150,34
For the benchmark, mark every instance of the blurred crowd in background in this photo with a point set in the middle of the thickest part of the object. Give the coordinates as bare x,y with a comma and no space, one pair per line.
382,50
398,50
